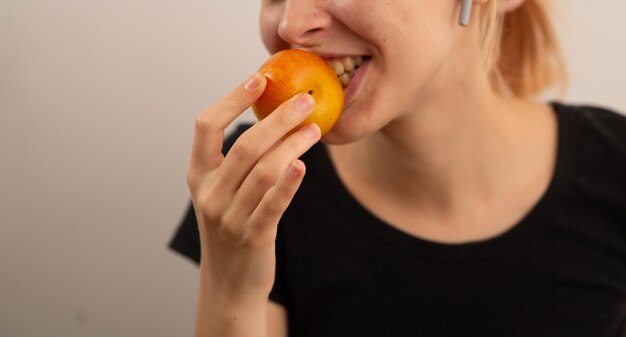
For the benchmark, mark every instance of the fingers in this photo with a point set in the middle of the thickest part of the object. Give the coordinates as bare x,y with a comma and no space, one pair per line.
267,174
206,153
264,219
258,140
260,158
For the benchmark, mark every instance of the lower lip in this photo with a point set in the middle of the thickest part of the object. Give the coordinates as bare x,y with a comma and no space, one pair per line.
354,85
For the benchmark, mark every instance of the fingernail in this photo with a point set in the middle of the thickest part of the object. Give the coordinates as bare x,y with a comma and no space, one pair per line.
304,102
253,83
311,130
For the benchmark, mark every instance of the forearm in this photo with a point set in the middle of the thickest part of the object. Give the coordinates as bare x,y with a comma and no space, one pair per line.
220,316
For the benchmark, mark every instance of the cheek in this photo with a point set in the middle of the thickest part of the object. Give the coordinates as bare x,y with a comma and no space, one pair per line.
268,26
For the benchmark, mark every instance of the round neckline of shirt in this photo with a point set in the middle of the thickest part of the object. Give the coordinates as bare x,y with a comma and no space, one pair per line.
369,224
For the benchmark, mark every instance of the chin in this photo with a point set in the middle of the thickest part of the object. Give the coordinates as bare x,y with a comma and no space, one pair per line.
347,130
335,138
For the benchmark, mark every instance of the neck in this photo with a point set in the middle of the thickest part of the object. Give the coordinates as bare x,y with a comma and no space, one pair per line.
444,154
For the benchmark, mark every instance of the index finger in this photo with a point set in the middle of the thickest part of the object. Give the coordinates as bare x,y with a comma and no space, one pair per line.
206,152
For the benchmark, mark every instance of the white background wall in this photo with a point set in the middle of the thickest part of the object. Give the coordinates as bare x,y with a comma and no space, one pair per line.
97,101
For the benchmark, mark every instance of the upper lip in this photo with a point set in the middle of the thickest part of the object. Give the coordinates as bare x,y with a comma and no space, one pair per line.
336,56
330,56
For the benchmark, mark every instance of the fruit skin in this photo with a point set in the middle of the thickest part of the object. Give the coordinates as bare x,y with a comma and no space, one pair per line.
294,71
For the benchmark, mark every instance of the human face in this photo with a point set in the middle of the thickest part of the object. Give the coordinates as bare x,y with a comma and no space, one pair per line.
410,48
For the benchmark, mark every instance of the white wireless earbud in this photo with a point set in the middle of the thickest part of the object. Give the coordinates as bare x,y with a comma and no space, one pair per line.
466,12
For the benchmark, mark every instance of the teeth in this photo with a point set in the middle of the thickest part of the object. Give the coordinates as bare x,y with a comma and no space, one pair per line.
345,67
358,60
348,64
338,66
345,79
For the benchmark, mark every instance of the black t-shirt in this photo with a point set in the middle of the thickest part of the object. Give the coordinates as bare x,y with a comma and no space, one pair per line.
561,271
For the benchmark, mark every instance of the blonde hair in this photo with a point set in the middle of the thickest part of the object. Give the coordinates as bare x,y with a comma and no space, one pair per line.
523,56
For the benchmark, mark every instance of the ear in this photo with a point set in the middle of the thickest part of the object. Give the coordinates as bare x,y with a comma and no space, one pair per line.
511,5
507,5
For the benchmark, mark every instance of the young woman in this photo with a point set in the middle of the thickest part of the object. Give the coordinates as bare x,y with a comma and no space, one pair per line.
445,202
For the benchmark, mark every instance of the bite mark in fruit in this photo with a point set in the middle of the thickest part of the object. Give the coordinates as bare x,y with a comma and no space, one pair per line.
290,72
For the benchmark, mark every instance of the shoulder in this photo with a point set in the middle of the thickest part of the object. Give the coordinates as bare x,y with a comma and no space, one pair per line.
591,166
594,132
596,124
594,151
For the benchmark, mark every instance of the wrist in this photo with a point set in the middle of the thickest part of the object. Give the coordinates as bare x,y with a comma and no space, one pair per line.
226,316
227,295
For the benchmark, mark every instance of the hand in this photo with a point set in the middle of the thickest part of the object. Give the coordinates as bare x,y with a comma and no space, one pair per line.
240,198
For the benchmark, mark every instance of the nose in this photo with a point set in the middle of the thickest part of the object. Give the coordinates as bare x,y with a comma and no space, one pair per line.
303,22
